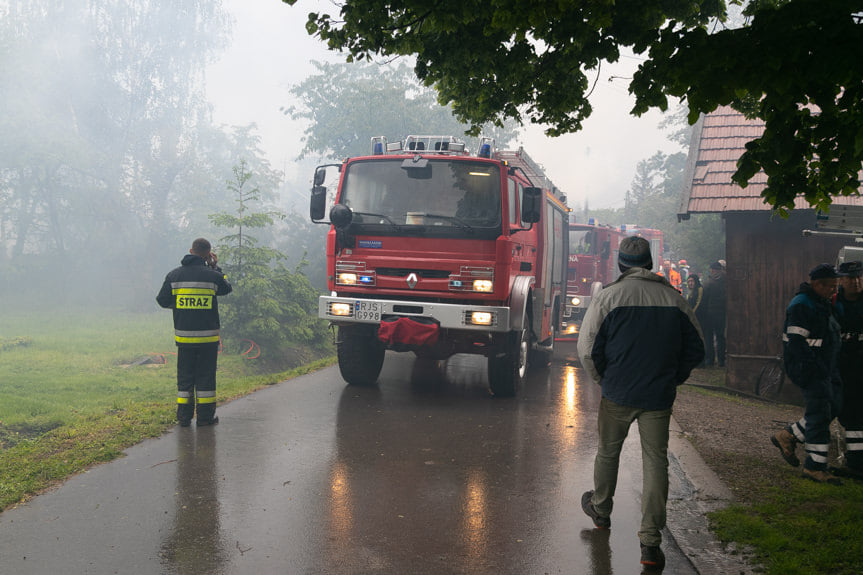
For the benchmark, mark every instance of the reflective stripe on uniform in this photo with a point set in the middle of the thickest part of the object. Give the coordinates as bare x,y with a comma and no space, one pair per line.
797,330
206,397
190,287
854,440
207,339
811,342
817,451
184,397
198,336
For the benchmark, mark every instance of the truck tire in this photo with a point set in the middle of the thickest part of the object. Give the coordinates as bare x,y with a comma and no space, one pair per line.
361,355
507,369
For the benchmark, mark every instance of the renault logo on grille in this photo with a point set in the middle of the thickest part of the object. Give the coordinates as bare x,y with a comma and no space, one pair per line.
412,280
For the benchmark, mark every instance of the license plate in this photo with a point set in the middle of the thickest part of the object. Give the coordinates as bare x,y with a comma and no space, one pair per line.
367,310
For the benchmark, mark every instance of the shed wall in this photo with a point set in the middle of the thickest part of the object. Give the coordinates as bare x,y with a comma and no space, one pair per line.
768,258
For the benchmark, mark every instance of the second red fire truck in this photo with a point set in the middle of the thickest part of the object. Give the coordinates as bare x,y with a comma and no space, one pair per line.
592,264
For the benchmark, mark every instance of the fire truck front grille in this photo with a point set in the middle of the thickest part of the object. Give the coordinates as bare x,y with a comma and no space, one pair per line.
403,272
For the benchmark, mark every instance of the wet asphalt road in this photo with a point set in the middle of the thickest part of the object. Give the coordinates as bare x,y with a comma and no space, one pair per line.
425,473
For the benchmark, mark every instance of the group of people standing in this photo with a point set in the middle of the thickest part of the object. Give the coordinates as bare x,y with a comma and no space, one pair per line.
823,356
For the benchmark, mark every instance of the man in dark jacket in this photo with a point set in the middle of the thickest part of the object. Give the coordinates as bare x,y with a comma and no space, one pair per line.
811,342
714,313
848,306
639,340
190,290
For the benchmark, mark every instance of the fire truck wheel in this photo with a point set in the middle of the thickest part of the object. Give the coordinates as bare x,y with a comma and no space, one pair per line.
361,355
541,358
507,368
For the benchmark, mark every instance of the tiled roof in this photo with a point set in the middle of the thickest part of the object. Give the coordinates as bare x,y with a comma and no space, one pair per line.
718,142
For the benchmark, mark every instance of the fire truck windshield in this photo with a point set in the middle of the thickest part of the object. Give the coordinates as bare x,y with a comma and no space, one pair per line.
581,242
445,194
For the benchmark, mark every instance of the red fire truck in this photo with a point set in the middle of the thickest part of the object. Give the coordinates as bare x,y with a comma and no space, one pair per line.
436,251
593,252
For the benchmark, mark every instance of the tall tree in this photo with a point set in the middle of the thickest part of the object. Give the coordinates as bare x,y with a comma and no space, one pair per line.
796,62
652,203
271,304
345,105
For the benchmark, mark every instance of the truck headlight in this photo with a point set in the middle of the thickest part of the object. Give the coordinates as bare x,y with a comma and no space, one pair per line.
340,309
576,301
346,279
486,286
481,318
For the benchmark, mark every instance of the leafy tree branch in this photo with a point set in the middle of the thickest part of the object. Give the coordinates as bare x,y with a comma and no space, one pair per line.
795,63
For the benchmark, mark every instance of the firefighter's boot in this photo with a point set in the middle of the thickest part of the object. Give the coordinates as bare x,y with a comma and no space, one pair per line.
787,444
820,476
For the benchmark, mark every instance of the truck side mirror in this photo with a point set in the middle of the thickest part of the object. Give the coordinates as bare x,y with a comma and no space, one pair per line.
320,176
606,250
318,200
531,205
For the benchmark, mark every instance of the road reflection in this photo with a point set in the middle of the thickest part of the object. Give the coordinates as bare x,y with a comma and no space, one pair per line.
599,549
194,546
436,454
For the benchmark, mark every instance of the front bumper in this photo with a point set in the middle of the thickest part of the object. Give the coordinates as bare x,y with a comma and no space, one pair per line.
345,310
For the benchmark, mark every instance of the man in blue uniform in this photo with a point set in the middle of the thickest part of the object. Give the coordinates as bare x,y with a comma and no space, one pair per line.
190,290
811,340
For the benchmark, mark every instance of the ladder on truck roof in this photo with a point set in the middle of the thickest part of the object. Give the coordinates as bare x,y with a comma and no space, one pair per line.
535,174
841,220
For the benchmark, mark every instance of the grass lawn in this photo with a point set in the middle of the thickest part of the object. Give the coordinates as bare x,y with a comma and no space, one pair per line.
801,529
73,396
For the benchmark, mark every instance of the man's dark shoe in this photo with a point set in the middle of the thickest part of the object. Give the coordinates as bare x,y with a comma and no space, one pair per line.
184,422
652,557
820,476
787,444
599,521
213,421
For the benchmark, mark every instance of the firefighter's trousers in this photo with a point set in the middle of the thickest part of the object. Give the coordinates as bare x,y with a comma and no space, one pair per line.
851,418
196,381
823,401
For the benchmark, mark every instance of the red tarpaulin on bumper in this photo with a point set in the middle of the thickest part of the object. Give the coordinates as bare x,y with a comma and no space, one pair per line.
409,331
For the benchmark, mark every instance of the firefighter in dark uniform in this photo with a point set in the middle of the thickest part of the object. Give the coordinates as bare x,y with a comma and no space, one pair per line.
811,342
849,311
190,290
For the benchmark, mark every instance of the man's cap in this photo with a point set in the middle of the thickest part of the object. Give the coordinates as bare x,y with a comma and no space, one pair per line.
721,263
634,252
851,269
716,266
823,272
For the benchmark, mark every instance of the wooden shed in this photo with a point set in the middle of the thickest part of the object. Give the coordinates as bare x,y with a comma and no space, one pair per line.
767,256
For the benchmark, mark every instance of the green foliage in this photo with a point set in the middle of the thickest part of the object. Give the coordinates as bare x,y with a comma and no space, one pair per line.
508,58
345,105
806,529
515,59
270,304
805,84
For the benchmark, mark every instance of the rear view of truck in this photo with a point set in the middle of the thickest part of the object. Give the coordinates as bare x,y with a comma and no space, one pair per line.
435,251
